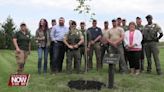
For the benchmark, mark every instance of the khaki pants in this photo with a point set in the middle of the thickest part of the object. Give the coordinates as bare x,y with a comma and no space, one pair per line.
151,48
96,47
21,59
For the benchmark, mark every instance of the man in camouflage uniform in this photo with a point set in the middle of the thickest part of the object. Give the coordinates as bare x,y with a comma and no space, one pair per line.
124,26
140,27
151,39
73,40
83,47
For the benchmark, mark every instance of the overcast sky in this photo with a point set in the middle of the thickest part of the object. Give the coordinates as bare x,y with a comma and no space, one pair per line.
31,11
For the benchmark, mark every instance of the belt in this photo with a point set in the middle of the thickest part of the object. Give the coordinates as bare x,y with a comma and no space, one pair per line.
59,42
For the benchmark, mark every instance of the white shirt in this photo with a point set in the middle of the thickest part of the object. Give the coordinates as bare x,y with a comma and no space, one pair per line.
137,38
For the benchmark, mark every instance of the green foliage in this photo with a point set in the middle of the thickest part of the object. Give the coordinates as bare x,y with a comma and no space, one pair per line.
8,29
83,8
33,43
2,39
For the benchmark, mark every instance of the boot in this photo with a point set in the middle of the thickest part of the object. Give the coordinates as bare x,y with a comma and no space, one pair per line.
131,71
137,72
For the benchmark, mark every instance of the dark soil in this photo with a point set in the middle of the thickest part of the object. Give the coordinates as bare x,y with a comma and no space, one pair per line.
85,85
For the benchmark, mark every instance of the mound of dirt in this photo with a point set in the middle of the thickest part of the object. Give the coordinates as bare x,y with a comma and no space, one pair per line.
85,84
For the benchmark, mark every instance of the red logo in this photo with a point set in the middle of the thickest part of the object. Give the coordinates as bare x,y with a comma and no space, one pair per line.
19,80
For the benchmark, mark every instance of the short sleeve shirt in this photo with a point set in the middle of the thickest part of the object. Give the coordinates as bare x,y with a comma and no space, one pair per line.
115,33
151,31
23,40
95,32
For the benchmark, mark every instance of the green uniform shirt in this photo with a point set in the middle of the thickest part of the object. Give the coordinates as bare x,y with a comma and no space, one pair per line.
140,28
73,36
126,28
23,40
86,36
151,32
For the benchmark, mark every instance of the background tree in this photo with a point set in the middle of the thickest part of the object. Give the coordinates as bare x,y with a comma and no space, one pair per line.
84,8
33,43
2,38
8,28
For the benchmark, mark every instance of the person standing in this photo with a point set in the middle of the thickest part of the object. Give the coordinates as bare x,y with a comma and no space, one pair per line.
21,41
73,39
119,22
124,26
151,39
57,36
96,35
116,36
43,42
84,46
53,22
140,27
104,43
132,43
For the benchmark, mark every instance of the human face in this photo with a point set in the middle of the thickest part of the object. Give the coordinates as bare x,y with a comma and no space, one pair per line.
123,22
23,28
114,24
94,24
82,26
53,23
74,26
106,25
138,21
61,21
149,20
42,22
131,27
119,22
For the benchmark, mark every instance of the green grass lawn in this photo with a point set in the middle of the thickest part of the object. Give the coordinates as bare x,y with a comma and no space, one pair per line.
58,83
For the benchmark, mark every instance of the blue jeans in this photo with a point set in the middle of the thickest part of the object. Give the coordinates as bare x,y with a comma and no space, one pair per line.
40,50
58,56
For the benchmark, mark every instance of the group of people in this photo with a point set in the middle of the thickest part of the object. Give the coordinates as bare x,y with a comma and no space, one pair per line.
130,41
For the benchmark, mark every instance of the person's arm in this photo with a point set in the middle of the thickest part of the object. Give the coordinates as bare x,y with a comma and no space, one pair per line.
118,41
138,38
52,34
16,45
98,37
159,30
126,39
80,42
160,33
66,43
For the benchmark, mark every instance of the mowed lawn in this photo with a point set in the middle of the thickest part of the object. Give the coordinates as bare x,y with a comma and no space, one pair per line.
58,83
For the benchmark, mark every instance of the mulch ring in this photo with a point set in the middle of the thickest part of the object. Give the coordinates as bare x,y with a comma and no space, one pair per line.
85,85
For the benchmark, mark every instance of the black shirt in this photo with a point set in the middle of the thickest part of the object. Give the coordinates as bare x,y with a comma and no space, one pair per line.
95,32
23,40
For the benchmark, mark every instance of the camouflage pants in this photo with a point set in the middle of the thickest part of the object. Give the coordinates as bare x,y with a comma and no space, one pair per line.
152,48
73,54
97,49
21,59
